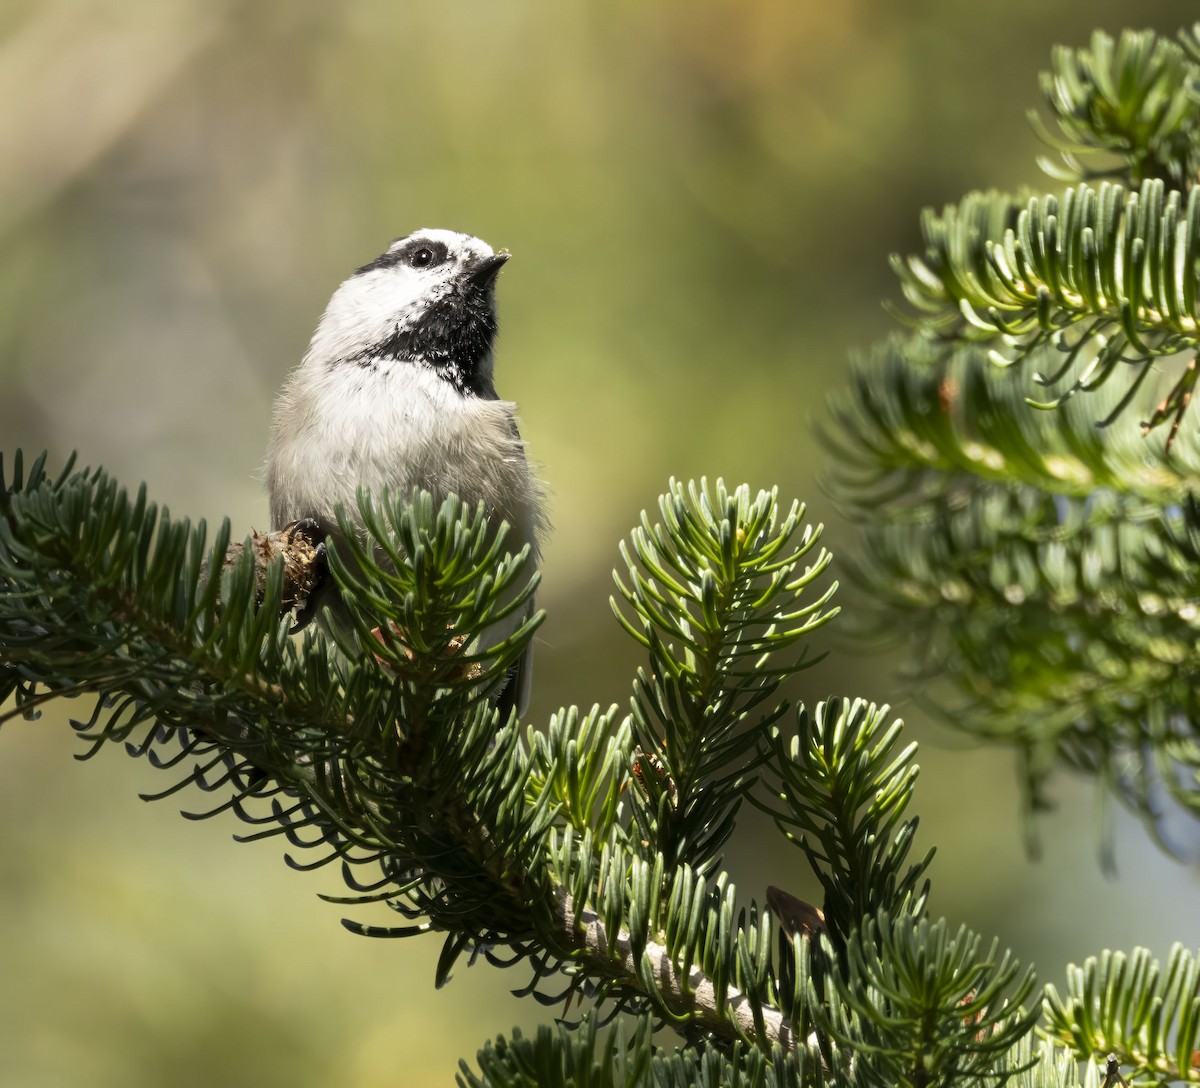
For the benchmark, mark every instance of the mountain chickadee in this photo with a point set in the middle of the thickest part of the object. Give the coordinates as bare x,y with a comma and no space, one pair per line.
396,392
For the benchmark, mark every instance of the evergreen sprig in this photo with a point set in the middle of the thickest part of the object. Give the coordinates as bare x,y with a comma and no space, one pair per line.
588,1059
560,1058
1046,1064
921,1006
585,852
1107,685
720,616
840,790
1104,276
916,421
1098,280
1144,1013
1042,562
1129,107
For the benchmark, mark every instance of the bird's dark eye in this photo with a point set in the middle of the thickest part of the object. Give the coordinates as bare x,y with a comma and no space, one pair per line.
421,254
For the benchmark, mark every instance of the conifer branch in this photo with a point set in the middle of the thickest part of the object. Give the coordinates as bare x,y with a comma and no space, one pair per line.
385,755
915,422
1041,563
1139,1012
1124,108
1106,277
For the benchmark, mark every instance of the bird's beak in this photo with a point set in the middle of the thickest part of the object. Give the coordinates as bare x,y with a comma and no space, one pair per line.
484,273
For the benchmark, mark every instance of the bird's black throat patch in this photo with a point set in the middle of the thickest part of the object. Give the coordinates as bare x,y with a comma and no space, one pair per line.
453,335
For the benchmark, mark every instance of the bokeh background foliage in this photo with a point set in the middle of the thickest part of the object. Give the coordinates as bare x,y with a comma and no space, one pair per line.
700,198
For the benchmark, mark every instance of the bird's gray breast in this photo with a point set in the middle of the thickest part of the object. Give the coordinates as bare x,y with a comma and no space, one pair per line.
396,427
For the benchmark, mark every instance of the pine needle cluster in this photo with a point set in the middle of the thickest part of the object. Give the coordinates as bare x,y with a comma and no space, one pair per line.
1023,460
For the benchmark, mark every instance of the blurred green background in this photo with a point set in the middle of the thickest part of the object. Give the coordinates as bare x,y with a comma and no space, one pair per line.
700,198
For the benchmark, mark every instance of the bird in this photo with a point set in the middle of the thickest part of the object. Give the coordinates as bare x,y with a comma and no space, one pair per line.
396,391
